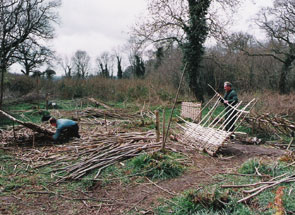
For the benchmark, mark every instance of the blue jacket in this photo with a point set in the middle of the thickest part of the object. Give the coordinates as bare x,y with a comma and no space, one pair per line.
60,125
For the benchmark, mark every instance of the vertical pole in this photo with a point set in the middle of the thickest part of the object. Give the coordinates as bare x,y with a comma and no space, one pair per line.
200,119
291,141
176,97
46,102
13,130
33,140
163,127
157,126
2,86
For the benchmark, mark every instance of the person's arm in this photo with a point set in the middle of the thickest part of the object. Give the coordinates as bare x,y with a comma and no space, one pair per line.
56,135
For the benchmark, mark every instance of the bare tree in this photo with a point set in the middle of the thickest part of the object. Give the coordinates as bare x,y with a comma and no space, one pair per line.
22,20
119,67
117,53
81,63
188,23
31,56
105,64
279,24
67,66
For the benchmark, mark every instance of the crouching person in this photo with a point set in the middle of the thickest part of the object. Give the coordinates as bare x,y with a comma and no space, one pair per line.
65,129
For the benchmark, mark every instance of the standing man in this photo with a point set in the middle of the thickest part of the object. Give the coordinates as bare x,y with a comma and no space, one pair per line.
230,98
64,127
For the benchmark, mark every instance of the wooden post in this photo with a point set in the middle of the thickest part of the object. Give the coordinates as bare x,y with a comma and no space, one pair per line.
291,141
200,119
163,125
13,130
176,97
46,102
33,140
157,126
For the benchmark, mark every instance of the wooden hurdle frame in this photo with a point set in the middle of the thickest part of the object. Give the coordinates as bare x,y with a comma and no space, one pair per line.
209,134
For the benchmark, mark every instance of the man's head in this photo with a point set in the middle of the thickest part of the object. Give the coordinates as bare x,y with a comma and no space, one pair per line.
52,121
227,86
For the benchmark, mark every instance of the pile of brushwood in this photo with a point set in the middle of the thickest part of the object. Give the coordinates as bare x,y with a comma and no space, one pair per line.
279,127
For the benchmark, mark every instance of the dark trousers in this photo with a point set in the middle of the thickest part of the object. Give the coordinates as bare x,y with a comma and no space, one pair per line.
230,119
72,131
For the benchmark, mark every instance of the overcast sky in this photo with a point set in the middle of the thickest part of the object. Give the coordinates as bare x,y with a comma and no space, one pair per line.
96,26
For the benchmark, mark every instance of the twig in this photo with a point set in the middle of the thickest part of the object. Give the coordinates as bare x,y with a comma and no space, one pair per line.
264,187
134,206
254,184
291,141
249,175
291,164
167,191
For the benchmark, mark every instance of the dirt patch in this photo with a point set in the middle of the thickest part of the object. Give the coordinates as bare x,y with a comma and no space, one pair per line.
237,149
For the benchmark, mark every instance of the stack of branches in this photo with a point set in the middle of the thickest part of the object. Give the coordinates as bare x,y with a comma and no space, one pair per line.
98,103
94,150
101,122
101,150
263,185
104,155
271,124
29,125
118,114
274,125
20,135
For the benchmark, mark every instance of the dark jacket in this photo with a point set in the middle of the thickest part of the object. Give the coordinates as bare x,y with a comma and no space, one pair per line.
232,97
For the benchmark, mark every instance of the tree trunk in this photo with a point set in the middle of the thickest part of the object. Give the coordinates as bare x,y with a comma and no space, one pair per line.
283,81
283,85
193,50
2,70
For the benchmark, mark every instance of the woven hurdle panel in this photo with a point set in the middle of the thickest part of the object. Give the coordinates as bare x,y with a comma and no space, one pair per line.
191,110
204,138
210,133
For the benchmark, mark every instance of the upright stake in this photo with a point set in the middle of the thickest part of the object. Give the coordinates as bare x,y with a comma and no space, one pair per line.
33,140
163,127
13,130
291,141
180,82
157,126
47,95
2,70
